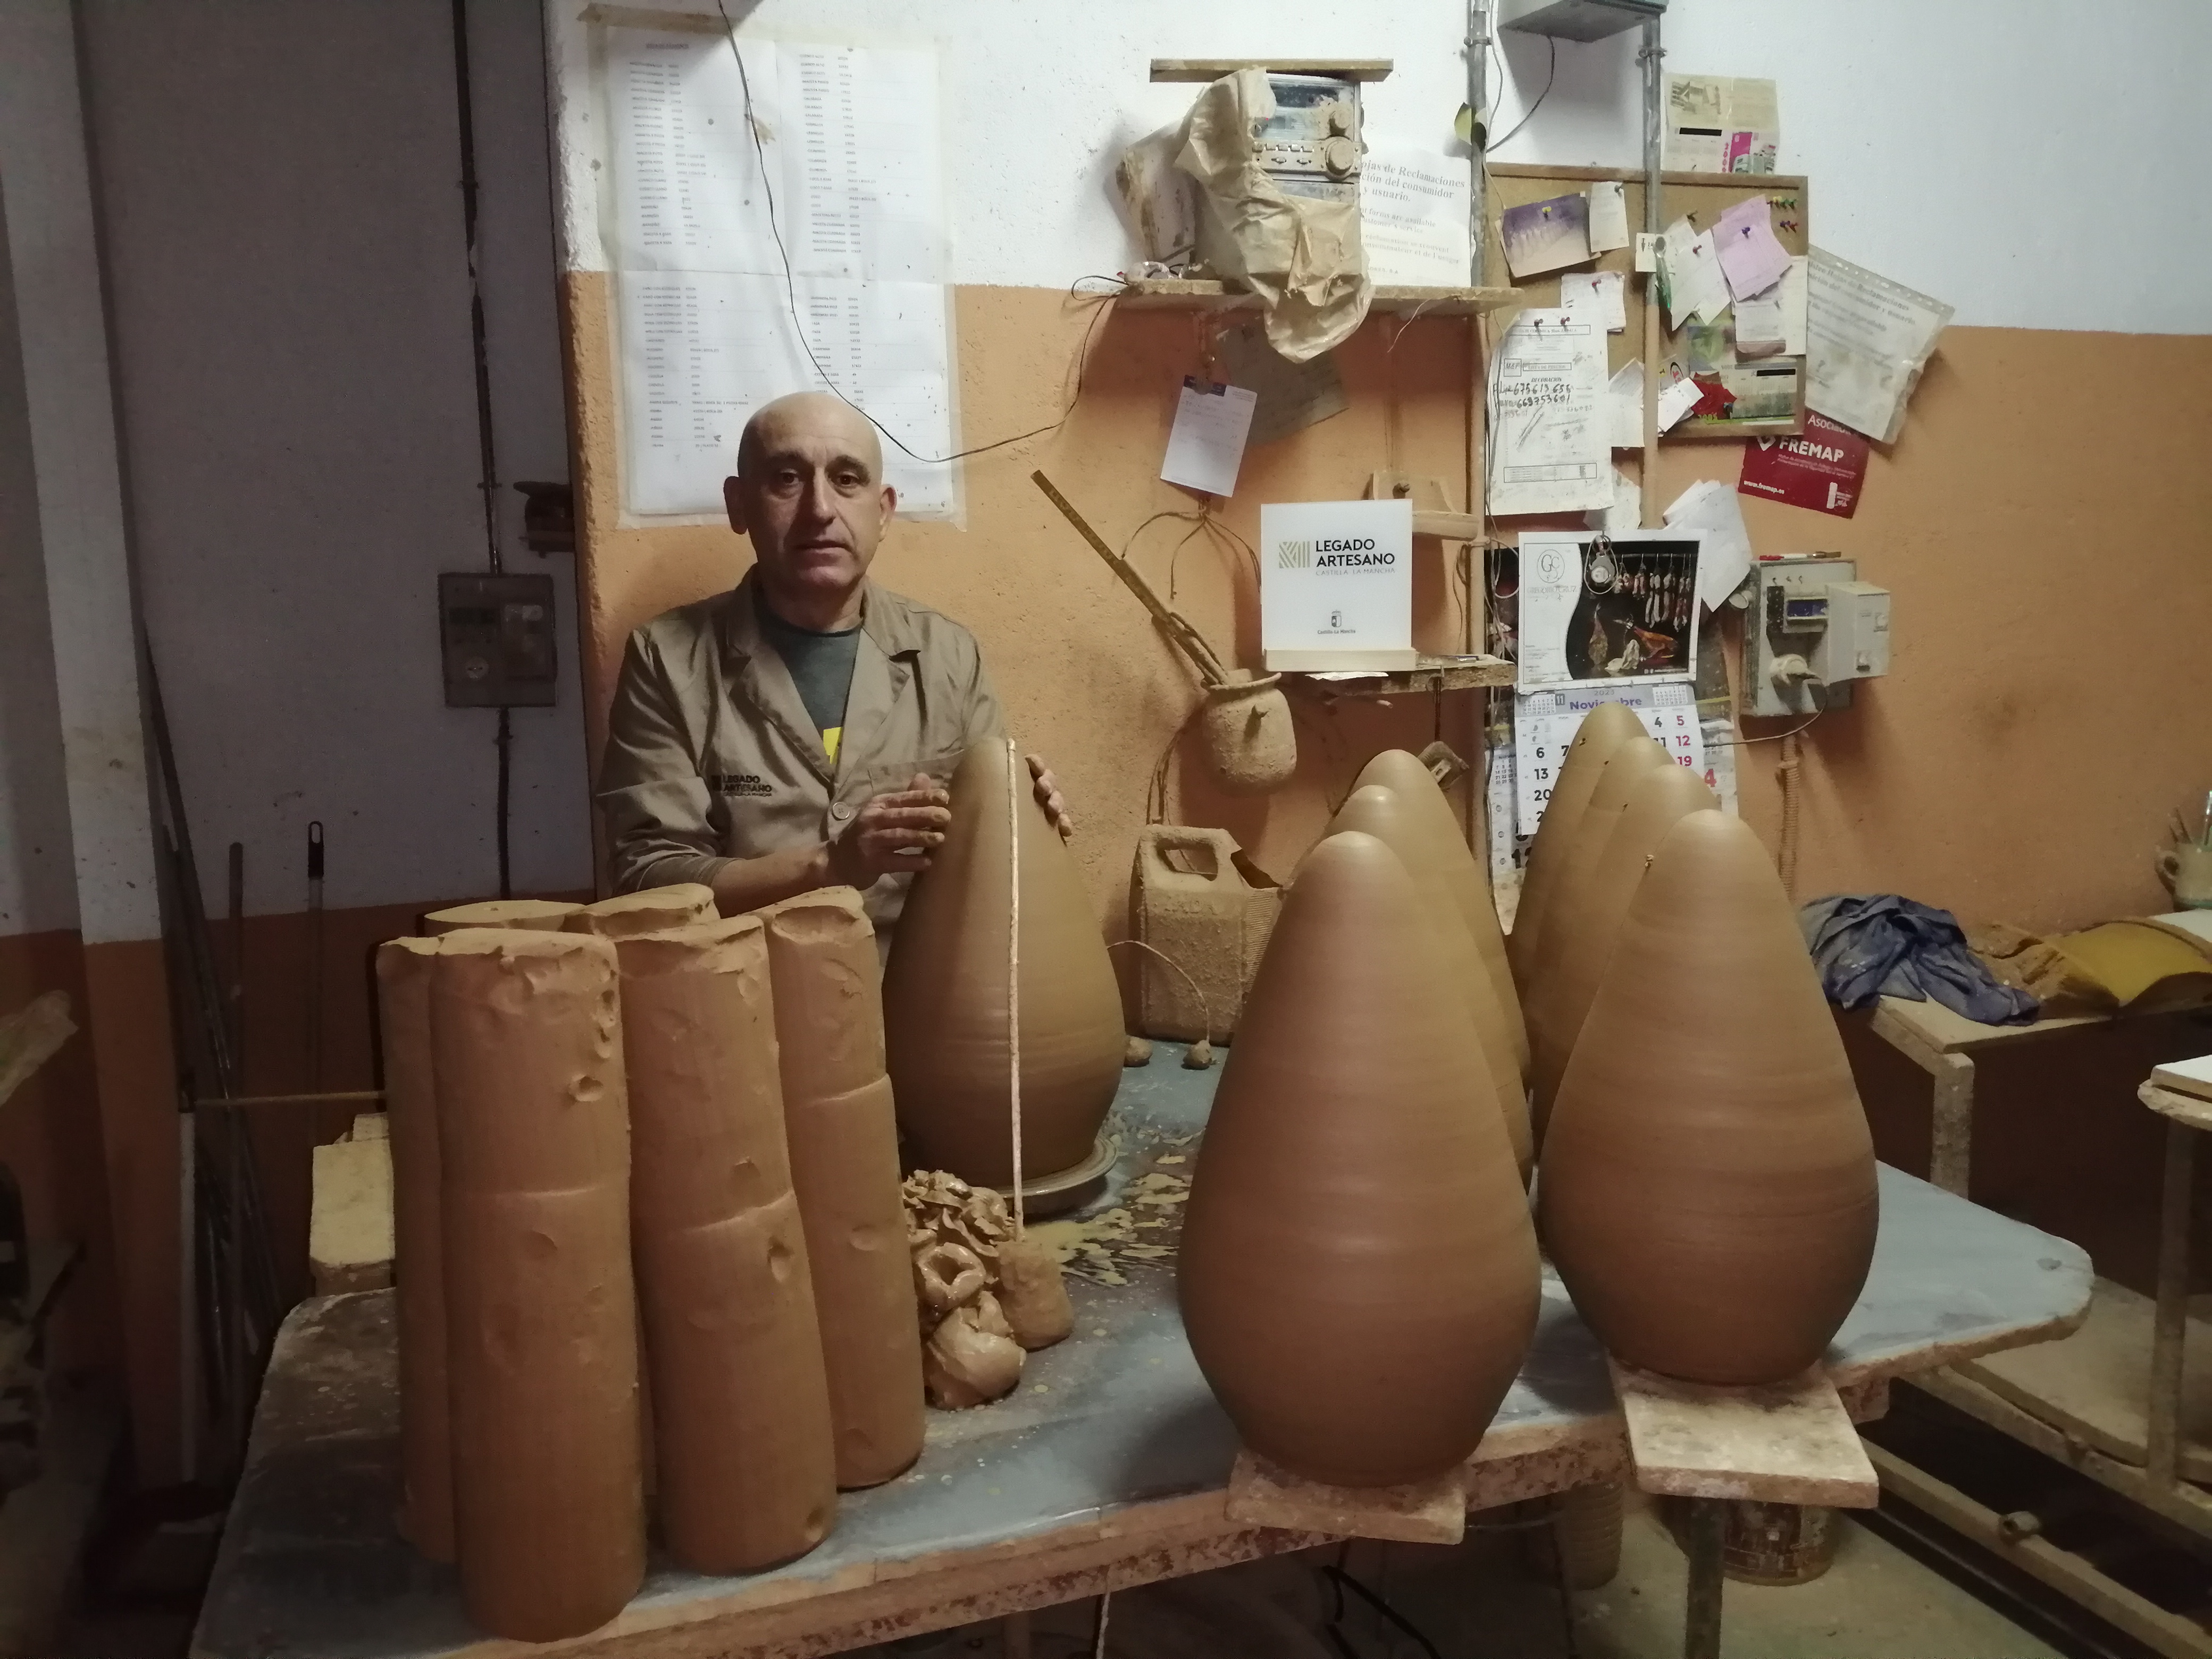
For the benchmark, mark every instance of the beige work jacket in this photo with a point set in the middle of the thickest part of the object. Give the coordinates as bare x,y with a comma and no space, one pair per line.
711,755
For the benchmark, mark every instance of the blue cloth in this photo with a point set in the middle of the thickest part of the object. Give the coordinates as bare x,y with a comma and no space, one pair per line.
1883,945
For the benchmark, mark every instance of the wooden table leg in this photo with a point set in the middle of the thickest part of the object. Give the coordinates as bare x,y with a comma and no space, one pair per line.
1701,1615
2171,1318
1952,1132
1014,1636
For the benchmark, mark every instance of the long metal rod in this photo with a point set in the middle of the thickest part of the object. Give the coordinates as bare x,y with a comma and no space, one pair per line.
1478,87
1653,58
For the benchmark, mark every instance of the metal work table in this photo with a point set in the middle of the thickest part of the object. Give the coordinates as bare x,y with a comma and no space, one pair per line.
1108,1468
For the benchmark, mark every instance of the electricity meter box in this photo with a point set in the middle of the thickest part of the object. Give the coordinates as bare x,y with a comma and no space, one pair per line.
1813,629
1577,20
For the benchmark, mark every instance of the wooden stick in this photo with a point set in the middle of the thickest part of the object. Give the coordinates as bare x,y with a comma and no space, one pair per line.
1192,642
343,1098
1014,769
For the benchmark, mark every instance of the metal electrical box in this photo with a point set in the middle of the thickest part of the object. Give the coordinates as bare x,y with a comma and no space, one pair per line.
496,636
1577,20
1813,629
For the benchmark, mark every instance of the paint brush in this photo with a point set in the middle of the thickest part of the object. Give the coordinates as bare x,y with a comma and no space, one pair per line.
2180,829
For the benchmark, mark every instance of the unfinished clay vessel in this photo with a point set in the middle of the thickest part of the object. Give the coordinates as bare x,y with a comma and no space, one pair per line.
843,1141
1708,1187
1358,1273
539,915
741,1404
1250,738
1603,730
1496,1086
410,1104
944,993
1445,852
654,910
541,1319
1604,865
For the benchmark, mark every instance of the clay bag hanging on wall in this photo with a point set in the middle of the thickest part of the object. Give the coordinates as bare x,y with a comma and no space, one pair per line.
1710,1204
845,1167
410,1104
1384,814
741,1408
1603,867
538,915
541,1318
944,994
654,910
1358,1275
1447,853
1603,730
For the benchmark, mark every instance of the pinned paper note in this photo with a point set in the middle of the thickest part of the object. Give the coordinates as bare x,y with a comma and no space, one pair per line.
1727,560
1412,215
1794,343
1624,398
1205,446
1760,330
1751,259
1608,215
1541,236
1691,268
1603,291
1626,511
1677,399
1722,124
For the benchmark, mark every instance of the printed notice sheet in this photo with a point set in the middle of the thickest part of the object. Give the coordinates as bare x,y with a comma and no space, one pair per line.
1413,217
1871,337
1606,608
843,146
1551,448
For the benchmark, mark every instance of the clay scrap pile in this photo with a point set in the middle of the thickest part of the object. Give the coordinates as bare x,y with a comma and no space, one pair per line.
633,1118
985,1295
1359,1273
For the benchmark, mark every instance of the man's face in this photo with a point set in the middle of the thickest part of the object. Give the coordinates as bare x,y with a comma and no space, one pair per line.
813,501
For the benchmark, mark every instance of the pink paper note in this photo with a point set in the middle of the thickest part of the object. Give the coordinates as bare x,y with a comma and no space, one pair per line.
1751,259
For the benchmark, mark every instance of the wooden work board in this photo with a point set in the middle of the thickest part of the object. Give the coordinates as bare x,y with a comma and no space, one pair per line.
1700,196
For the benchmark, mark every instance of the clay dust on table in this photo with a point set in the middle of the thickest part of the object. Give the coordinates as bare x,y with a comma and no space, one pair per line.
1141,1231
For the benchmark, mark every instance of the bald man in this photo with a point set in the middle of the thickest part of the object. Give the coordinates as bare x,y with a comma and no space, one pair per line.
797,731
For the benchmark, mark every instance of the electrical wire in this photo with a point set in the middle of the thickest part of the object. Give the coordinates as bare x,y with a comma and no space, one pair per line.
1550,79
1776,737
1343,1580
806,344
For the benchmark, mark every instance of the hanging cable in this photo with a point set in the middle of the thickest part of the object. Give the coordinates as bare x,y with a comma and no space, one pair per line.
1550,79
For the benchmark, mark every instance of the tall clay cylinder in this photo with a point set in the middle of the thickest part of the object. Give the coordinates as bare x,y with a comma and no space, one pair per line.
1445,850
1495,1085
1358,1273
843,1136
541,1320
741,1406
537,915
1710,1203
944,993
654,910
410,1104
1603,730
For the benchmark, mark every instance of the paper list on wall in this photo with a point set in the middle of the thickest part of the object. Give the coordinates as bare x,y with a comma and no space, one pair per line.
1720,123
1550,433
1726,558
1414,216
701,351
1205,445
1691,268
1868,339
1603,291
1608,215
1751,258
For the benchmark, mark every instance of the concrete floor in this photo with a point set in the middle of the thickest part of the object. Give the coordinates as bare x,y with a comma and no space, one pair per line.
1475,1601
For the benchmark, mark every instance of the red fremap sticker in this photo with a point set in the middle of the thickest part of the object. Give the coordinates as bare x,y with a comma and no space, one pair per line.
1825,470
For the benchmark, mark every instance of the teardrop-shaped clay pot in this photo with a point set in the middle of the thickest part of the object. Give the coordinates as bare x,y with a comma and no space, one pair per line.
740,1400
1604,868
1386,815
1438,825
1708,1180
1566,907
1603,730
1358,1273
944,994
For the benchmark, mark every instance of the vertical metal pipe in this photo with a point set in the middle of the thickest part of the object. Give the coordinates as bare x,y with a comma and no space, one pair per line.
1651,59
1478,79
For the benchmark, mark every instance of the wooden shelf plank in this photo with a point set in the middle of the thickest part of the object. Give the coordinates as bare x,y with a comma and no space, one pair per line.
1213,68
1786,1443
1433,674
1189,293
1452,527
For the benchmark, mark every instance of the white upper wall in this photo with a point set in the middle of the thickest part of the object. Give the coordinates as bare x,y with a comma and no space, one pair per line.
1959,146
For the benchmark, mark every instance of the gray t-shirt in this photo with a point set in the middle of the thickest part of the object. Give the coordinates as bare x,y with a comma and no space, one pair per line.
821,666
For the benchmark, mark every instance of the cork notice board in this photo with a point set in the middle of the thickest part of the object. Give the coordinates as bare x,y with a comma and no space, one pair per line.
1700,196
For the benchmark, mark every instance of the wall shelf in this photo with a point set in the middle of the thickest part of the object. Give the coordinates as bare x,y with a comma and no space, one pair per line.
1431,674
1186,293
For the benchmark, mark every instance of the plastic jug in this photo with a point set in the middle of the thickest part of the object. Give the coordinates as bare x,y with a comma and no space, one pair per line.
1205,906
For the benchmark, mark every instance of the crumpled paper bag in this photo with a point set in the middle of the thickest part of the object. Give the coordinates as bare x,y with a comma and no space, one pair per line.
1303,258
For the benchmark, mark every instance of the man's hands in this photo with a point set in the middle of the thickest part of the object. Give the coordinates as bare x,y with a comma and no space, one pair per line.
891,835
1049,797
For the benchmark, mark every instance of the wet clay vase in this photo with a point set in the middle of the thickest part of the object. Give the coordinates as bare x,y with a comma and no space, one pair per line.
844,1139
541,1314
944,993
1357,1275
740,1400
1708,1180
1449,854
411,1105
652,911
538,915
1604,864
1603,730
1384,814
1251,742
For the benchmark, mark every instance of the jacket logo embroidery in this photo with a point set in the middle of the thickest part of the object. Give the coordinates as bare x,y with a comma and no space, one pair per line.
739,783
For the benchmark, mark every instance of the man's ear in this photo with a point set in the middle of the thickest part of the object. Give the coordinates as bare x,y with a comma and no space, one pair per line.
889,499
734,505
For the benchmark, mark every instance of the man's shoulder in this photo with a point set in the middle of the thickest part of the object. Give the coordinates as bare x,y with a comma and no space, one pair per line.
903,624
673,634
